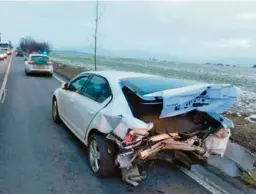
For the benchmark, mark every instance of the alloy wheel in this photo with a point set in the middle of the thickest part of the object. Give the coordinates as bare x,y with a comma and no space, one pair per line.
94,154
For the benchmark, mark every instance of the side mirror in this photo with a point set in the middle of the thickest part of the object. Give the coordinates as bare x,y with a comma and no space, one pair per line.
64,86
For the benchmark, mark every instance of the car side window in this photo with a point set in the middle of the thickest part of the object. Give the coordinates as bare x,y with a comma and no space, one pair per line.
97,89
78,84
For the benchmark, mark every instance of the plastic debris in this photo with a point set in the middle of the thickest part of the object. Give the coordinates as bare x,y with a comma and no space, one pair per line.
217,143
132,175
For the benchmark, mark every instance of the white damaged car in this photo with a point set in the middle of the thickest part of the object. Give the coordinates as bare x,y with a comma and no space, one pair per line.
119,115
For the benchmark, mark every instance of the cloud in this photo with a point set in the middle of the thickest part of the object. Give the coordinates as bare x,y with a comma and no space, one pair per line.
247,16
43,19
229,43
86,25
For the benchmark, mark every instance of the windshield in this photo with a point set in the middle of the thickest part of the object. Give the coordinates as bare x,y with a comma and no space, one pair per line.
147,85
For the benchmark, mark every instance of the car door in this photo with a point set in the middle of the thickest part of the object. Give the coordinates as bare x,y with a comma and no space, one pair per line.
66,98
94,96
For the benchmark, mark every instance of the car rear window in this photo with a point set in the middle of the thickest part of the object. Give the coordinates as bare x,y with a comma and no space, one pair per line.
147,85
40,59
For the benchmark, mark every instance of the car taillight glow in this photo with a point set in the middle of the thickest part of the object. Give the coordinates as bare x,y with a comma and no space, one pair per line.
31,62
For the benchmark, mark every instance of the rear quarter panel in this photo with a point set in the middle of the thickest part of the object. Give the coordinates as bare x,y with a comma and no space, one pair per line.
117,106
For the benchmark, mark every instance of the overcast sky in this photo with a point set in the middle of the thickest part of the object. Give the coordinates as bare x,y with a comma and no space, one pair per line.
183,29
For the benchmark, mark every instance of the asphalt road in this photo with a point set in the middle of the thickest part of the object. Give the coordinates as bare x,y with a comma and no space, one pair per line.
38,157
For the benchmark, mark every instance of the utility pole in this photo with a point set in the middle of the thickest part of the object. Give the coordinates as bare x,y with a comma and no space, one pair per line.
95,34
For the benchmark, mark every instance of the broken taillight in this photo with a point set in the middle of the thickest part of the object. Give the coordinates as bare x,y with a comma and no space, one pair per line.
134,137
129,138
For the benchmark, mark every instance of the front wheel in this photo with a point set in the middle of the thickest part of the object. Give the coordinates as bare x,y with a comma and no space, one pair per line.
100,158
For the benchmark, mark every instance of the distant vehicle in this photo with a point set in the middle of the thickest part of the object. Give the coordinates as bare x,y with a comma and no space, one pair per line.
5,55
2,55
4,46
19,53
39,64
9,52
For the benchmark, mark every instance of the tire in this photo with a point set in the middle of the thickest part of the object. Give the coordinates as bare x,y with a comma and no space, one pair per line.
27,74
55,112
106,165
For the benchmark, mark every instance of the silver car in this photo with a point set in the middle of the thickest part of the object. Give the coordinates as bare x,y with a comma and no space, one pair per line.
38,63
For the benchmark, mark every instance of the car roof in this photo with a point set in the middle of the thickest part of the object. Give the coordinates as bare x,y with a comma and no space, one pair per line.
118,75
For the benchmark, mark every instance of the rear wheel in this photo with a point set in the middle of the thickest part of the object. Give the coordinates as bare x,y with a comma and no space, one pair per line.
100,158
55,112
27,72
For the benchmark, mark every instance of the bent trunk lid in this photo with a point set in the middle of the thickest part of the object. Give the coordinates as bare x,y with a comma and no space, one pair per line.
204,97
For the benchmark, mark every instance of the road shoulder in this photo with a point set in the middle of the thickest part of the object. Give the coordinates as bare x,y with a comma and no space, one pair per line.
4,68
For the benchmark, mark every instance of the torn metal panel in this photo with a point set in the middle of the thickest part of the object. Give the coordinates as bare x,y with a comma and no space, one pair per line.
207,98
243,157
235,161
120,124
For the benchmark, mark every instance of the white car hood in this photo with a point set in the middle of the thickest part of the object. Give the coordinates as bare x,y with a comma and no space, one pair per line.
204,97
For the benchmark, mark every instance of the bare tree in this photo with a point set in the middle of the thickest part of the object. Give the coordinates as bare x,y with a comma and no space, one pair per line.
28,44
95,36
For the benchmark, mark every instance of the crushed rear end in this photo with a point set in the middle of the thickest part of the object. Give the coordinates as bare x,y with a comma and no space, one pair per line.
182,124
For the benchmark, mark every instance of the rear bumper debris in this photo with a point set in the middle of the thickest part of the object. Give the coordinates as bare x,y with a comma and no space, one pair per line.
167,146
190,148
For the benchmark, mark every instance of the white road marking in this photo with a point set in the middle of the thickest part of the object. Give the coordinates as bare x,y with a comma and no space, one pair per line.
205,182
58,78
3,87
